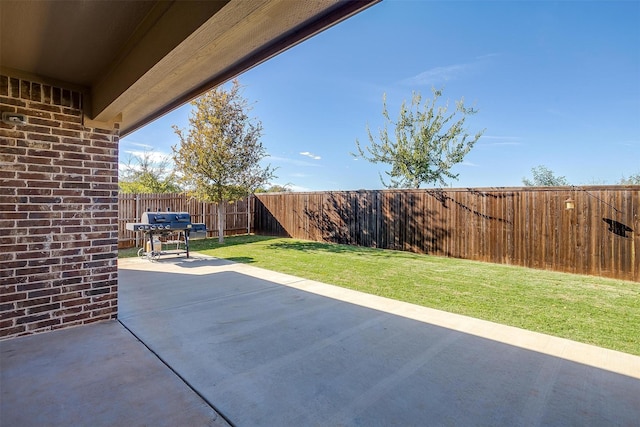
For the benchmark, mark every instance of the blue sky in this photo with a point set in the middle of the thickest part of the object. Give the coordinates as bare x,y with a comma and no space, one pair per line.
556,83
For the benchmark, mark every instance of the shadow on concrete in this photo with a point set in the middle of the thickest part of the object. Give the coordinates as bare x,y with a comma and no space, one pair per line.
266,354
94,375
194,261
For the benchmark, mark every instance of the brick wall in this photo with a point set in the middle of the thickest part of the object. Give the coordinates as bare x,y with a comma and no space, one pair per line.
58,212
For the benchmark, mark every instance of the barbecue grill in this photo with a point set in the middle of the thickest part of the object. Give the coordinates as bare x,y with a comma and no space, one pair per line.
174,227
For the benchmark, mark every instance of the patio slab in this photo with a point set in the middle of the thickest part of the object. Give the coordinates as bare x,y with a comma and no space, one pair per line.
94,375
268,349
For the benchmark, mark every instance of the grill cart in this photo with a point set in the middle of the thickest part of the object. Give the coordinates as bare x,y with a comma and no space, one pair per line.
166,233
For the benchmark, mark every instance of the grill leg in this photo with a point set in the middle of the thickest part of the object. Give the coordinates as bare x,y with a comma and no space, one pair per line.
186,242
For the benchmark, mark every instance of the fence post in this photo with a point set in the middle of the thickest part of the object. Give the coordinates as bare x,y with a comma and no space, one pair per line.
249,214
136,213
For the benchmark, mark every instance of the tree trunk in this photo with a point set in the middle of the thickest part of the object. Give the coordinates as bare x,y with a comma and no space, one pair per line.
221,221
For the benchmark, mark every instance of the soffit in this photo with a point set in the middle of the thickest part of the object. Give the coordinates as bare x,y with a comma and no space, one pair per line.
136,60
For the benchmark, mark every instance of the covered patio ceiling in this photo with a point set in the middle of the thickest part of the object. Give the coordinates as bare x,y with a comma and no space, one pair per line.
136,60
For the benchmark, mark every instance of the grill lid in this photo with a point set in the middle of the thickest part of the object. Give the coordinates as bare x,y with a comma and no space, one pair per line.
165,217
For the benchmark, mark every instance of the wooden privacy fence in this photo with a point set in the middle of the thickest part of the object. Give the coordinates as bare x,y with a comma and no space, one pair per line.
131,207
523,226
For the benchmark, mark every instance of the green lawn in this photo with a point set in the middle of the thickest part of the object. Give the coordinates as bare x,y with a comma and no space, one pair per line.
593,310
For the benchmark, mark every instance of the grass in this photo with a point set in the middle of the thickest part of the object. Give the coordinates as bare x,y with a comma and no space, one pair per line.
593,310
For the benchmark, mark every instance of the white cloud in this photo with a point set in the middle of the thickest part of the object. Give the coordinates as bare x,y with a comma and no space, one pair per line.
298,188
310,155
487,56
277,159
154,156
467,163
436,75
630,143
146,147
498,141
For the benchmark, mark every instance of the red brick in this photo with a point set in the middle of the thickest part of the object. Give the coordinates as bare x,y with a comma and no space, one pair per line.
74,126
32,318
66,295
4,324
30,159
16,102
67,311
14,150
43,184
63,132
44,325
76,302
44,122
108,312
14,279
7,268
7,289
68,176
77,185
30,223
13,297
104,297
5,173
68,163
43,292
13,331
42,308
32,239
35,191
12,314
74,144
31,286
46,200
33,301
78,156
45,230
43,145
76,317
43,168
32,255
42,246
34,176
9,183
47,261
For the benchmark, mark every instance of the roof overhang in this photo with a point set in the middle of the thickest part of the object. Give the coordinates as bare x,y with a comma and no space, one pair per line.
137,60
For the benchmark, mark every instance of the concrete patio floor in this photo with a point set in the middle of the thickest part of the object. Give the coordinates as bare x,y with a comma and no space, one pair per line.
94,375
268,349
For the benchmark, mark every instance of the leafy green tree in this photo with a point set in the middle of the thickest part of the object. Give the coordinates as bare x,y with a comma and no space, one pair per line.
274,189
427,142
544,177
218,158
141,174
632,180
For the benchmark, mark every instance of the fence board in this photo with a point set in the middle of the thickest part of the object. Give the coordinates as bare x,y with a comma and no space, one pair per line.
521,226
